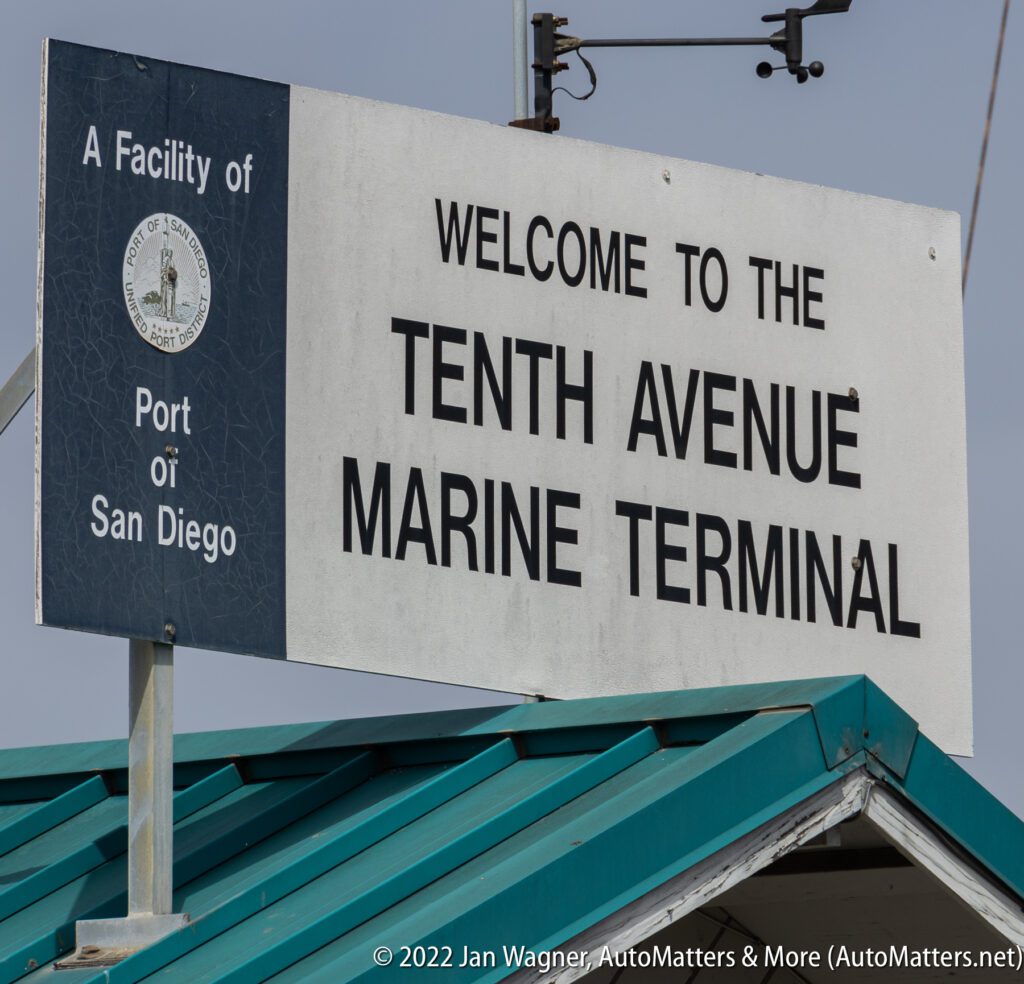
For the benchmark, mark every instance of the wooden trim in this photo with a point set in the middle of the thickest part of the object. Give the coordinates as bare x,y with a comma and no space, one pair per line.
696,886
953,870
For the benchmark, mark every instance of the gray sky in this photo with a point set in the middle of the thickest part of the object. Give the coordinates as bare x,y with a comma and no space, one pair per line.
899,113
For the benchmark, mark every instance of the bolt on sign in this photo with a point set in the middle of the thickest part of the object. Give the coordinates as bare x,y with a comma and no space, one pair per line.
348,383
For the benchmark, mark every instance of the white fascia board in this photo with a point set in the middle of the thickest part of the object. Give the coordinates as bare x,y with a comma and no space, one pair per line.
854,794
949,866
695,887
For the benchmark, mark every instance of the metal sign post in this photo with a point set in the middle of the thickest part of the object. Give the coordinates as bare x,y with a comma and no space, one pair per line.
520,59
150,814
150,777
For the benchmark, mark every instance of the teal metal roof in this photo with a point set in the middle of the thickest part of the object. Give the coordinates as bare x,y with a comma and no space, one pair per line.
300,849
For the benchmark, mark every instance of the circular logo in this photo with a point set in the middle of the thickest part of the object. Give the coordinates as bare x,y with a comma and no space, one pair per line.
166,282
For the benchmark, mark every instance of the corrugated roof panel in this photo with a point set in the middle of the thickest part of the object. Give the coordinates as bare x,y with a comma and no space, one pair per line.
86,882
392,857
288,845
52,845
598,846
10,812
563,831
298,850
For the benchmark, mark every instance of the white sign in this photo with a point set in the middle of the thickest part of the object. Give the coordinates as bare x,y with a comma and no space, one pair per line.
573,420
479,405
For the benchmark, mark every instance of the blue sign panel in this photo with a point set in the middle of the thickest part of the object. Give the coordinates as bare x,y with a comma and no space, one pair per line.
162,352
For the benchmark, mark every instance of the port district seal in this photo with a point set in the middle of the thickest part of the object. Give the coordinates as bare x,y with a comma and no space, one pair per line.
166,280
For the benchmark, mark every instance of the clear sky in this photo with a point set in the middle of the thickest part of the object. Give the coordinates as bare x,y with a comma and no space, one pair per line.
899,113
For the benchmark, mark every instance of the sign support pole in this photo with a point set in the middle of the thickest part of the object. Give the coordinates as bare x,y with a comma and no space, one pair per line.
520,60
101,942
150,779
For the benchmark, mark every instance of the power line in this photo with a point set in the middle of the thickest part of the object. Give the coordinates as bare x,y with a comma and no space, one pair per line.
984,144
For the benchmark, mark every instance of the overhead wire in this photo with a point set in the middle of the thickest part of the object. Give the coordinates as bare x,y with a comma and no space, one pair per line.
984,146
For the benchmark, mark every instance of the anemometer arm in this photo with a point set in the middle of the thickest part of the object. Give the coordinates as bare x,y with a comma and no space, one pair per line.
548,45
